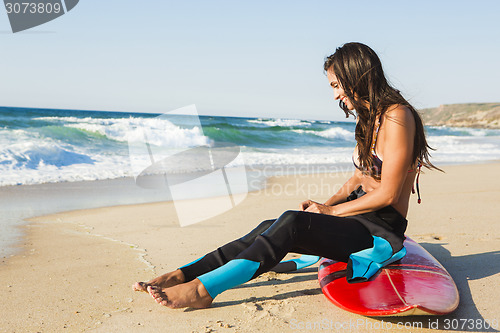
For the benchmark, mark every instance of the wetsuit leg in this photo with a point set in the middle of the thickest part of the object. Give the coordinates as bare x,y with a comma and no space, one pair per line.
223,254
294,231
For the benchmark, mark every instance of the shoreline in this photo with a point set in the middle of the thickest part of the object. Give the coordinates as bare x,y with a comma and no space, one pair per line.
22,202
111,240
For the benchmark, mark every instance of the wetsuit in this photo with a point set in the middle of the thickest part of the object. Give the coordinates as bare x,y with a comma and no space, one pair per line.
366,242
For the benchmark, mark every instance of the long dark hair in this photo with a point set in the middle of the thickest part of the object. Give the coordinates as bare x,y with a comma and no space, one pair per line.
359,72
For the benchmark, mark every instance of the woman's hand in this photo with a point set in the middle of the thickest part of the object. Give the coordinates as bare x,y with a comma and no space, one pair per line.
305,204
315,207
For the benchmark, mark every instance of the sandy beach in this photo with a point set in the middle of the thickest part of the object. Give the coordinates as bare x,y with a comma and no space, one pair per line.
75,269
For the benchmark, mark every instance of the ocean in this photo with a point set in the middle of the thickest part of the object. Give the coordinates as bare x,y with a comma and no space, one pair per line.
40,148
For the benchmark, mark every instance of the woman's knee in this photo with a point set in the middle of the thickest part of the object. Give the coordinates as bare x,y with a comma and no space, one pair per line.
262,227
287,225
291,218
291,215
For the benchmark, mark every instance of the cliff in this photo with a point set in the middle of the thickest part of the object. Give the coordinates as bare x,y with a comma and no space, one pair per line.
481,115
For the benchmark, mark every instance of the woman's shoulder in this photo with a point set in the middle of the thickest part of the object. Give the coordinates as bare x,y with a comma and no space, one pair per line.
397,110
398,113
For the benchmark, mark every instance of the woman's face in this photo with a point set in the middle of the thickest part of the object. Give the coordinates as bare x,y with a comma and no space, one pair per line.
338,91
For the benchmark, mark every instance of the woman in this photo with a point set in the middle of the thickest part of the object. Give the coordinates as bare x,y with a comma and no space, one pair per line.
362,224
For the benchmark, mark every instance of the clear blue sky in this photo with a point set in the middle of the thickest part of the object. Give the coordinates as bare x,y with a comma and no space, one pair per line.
246,58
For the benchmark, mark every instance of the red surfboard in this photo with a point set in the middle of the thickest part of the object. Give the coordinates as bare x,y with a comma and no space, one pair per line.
415,285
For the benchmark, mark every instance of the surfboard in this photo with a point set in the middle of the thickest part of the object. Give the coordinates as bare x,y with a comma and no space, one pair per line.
415,285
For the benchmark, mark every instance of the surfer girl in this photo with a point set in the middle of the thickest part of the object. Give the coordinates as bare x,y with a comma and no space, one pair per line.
362,224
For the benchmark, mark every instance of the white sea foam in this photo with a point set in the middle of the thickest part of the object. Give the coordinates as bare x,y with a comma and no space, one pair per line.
281,122
337,133
466,131
160,132
39,162
297,156
331,133
463,149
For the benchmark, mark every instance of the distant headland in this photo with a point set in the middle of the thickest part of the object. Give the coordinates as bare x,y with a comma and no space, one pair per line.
479,115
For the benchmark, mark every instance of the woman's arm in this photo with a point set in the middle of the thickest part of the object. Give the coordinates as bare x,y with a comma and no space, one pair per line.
342,194
397,151
353,183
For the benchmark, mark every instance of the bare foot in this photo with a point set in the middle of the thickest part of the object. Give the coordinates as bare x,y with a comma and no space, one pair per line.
165,281
191,294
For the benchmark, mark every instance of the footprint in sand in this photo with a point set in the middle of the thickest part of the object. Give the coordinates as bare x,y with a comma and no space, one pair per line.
270,310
